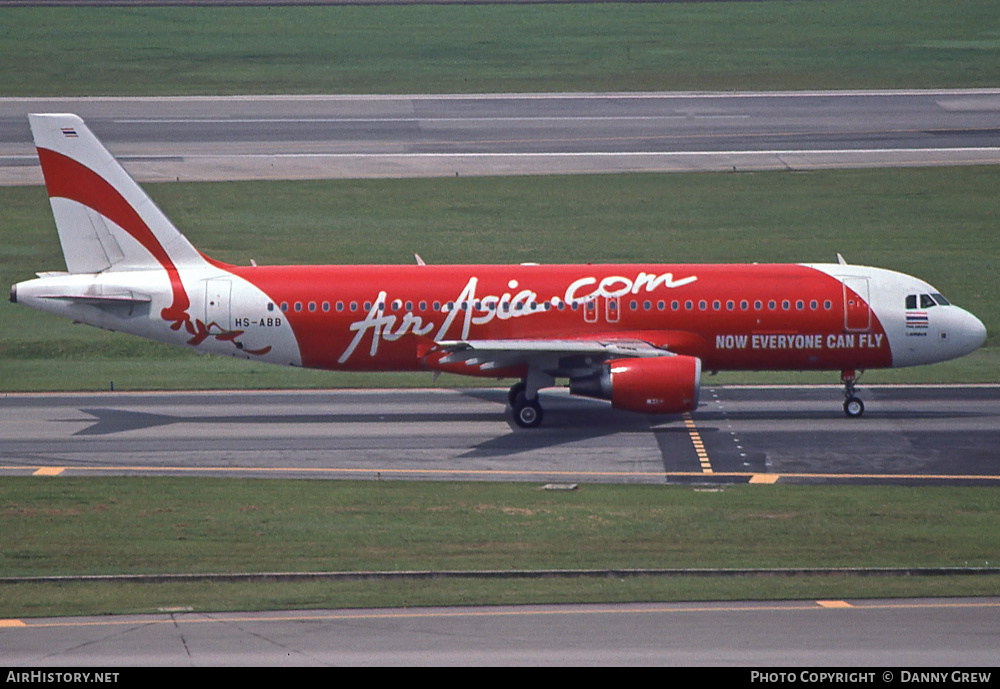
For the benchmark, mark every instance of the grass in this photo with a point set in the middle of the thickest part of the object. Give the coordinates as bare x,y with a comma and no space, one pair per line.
153,525
936,223
498,48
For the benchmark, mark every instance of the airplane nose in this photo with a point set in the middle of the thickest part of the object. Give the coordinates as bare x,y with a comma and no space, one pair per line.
973,332
977,331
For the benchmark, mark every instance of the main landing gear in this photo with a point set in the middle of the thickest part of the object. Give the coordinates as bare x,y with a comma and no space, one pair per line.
853,406
523,398
527,413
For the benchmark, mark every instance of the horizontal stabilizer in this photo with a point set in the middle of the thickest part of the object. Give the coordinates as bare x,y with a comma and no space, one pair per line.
100,300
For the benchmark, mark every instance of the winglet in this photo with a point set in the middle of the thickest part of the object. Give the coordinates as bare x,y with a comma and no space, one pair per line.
840,260
420,261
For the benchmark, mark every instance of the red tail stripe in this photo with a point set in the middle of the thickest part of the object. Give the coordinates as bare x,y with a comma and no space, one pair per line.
69,179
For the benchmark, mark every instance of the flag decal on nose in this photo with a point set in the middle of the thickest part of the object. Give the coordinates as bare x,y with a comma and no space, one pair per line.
916,323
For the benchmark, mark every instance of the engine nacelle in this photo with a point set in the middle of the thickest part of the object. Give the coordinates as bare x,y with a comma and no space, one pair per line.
660,385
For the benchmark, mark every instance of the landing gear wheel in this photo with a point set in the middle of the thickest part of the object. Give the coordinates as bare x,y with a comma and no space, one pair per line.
528,413
854,407
516,391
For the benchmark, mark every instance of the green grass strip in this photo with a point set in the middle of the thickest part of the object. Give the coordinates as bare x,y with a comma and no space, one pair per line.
61,526
816,44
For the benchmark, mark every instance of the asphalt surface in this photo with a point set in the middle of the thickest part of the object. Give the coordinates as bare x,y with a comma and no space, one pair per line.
297,137
940,634
909,435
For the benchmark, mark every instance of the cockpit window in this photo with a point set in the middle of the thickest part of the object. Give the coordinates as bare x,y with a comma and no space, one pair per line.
926,301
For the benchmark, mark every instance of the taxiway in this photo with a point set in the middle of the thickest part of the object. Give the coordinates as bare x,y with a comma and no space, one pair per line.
909,434
299,137
946,633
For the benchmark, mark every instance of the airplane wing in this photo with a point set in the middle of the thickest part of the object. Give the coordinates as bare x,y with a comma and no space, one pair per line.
558,357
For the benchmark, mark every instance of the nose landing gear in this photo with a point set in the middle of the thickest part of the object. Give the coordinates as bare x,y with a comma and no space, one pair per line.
853,406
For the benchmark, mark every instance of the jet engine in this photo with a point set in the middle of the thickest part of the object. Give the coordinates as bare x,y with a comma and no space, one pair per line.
660,385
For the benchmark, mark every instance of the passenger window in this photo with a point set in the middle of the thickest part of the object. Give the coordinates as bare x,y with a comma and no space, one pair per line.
926,302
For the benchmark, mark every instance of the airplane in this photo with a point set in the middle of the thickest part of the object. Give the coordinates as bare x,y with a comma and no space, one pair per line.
636,335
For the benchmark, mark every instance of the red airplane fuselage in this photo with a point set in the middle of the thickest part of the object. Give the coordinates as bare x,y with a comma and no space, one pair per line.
742,317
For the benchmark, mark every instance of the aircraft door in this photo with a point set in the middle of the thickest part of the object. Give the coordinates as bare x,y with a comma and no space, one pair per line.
218,296
857,313
593,307
611,308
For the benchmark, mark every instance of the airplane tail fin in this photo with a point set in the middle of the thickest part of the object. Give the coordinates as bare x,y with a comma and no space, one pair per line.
106,222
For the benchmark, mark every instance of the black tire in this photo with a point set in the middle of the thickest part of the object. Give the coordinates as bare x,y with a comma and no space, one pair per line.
516,391
854,407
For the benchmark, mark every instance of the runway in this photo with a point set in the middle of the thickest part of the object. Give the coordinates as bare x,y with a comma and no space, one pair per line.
298,137
909,435
817,635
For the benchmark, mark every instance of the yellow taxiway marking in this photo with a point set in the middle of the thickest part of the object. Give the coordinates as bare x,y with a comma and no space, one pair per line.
765,478
12,623
49,471
699,446
392,471
834,604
